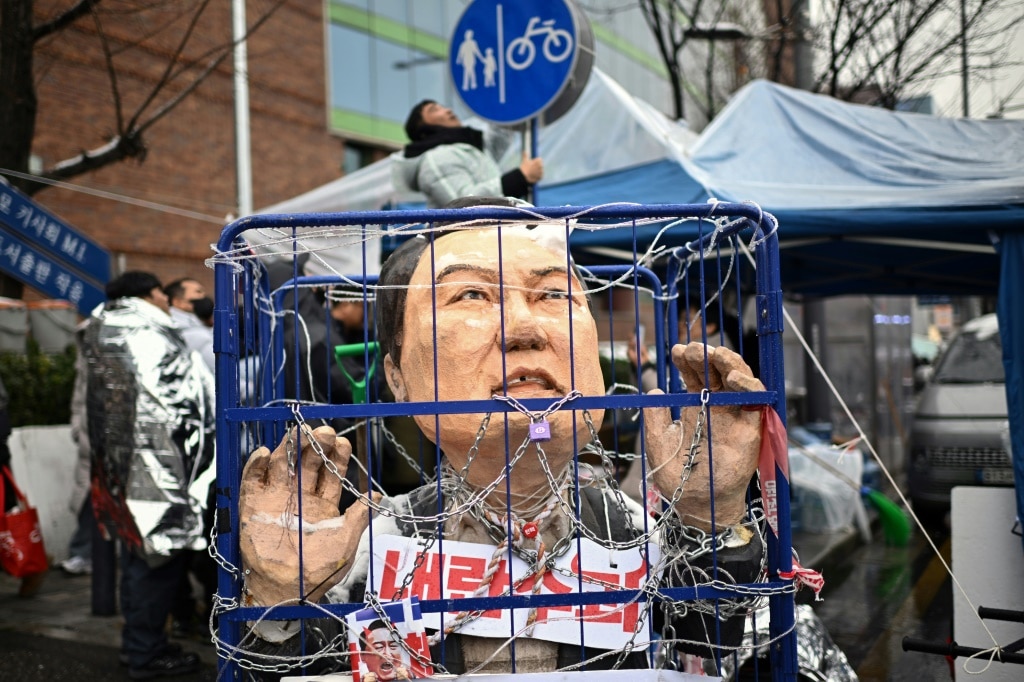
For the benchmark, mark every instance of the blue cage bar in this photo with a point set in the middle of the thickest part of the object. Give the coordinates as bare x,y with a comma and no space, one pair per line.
668,251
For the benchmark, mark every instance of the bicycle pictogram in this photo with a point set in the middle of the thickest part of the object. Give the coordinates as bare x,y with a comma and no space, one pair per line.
557,45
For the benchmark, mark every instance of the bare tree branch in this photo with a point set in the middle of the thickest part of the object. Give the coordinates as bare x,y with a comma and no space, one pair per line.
783,34
118,149
661,27
861,21
210,68
129,142
164,79
111,72
64,20
168,106
698,73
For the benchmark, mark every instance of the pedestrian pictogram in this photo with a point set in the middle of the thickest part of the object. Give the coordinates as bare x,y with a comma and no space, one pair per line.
467,55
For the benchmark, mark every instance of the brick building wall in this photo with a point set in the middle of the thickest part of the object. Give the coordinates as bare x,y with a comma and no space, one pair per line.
190,159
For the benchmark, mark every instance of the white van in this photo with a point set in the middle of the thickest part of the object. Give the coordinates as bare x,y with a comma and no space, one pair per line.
959,434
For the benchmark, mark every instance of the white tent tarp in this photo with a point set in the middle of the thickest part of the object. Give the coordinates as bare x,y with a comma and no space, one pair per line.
785,149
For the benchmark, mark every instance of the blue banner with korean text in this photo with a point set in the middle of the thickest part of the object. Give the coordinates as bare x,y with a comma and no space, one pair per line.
41,271
34,224
42,251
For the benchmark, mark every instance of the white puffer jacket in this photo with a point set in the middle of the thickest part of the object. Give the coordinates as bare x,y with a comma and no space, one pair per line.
453,171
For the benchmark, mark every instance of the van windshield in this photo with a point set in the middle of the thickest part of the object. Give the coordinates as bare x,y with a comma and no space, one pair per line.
971,359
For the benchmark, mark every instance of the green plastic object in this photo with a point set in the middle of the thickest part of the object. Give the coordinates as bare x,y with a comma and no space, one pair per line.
360,387
895,524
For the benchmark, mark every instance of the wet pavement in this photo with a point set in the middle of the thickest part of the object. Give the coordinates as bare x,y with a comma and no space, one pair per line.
877,595
874,595
54,636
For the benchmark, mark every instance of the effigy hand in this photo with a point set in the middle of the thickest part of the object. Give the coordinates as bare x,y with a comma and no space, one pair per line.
269,520
736,440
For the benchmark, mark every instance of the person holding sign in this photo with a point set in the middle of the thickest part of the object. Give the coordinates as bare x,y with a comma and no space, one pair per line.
453,325
446,160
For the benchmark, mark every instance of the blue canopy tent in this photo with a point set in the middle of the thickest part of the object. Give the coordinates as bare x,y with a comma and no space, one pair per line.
870,202
1011,329
830,252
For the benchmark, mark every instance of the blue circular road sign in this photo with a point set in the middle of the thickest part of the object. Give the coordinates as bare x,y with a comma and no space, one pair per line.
511,59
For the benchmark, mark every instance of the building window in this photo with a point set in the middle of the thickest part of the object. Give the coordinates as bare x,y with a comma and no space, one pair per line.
384,56
357,156
381,63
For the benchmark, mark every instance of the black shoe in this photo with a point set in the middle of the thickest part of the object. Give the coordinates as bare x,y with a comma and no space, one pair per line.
171,648
166,665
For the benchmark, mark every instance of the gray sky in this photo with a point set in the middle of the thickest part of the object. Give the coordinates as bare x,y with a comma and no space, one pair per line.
984,95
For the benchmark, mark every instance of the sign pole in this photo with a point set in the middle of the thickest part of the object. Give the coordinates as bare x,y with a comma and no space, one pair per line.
530,147
511,62
243,145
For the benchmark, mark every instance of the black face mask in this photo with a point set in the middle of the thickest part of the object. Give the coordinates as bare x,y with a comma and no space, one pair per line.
202,307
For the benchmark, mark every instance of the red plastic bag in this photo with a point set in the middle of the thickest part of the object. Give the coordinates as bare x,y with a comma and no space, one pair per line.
21,542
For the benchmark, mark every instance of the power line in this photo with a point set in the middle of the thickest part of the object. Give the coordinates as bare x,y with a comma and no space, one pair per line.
185,213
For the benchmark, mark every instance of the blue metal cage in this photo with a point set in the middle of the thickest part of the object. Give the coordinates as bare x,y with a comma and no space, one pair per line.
699,253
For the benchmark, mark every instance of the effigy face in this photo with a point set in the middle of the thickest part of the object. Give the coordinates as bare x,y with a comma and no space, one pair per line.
511,320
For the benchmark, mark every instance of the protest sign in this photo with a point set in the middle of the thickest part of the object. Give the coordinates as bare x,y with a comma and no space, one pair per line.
459,571
388,646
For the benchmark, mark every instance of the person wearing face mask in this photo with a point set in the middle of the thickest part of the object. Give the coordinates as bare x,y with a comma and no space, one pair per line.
200,338
456,321
446,160
182,295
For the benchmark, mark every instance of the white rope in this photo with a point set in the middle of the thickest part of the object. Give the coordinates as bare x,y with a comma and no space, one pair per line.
532,507
871,448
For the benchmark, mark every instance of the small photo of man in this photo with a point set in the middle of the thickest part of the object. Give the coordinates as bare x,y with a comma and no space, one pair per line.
389,644
383,654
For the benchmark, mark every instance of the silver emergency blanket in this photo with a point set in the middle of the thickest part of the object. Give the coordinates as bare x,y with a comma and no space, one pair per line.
150,414
817,656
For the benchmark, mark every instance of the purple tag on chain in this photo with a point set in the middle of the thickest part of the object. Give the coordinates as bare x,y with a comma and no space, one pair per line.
540,430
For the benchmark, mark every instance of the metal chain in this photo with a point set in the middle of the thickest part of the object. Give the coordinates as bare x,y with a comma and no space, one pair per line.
290,443
698,431
538,416
333,648
421,556
400,449
219,558
620,501
697,542
385,511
